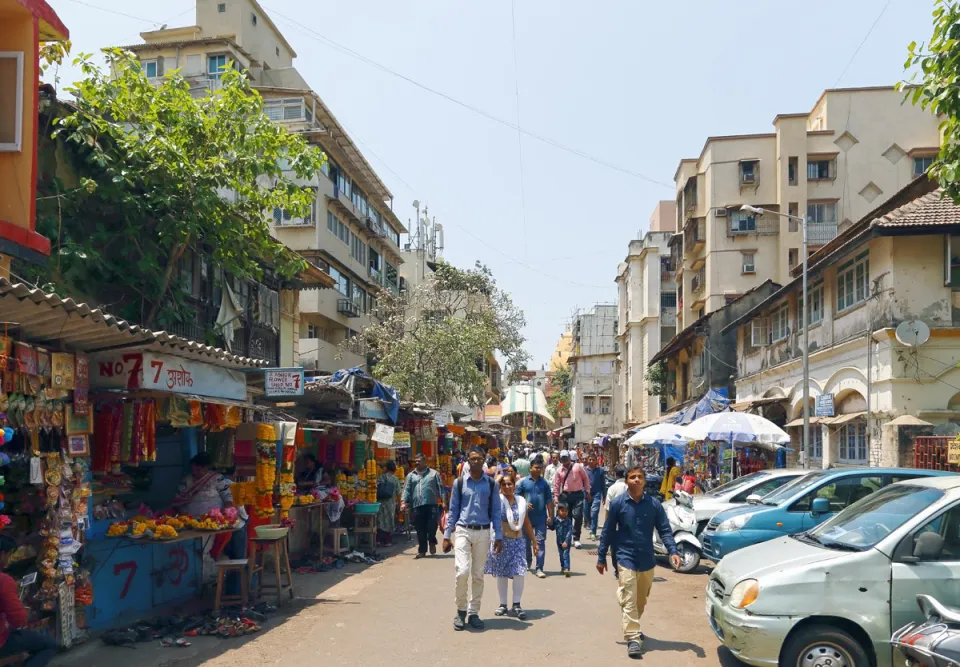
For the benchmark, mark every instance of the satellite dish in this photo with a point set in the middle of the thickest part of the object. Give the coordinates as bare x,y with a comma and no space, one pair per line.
913,333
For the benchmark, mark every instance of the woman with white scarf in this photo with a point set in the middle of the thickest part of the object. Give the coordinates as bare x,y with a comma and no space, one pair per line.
511,562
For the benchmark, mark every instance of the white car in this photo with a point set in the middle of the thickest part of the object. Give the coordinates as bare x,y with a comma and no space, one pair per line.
736,492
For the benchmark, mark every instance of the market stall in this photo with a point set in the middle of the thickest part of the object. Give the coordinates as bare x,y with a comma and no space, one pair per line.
732,444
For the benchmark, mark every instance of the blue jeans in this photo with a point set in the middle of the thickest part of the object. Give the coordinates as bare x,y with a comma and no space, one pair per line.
540,532
564,556
595,502
41,647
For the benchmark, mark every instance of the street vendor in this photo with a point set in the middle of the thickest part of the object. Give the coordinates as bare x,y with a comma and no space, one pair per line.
204,490
310,475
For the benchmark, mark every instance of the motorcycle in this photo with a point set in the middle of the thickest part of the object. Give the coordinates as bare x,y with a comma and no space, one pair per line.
934,642
683,522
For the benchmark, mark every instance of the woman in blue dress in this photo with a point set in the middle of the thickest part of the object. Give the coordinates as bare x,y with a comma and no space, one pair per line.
511,562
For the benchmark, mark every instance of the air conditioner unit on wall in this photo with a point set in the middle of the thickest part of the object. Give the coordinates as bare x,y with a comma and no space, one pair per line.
720,212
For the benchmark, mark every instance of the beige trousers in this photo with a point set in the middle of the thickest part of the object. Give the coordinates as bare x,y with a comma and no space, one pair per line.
470,549
632,594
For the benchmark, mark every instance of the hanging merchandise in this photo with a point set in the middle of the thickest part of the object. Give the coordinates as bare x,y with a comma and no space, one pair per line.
266,476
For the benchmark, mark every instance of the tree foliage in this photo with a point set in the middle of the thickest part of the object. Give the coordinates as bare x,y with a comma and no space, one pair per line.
558,403
431,342
935,86
163,173
656,379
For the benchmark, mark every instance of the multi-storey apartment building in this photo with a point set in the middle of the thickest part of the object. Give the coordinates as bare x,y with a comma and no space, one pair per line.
352,232
593,363
852,151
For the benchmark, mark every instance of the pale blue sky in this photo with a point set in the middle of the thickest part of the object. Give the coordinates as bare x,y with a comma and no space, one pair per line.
637,84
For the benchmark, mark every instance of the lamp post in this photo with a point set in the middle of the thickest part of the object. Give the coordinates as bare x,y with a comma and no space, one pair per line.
803,322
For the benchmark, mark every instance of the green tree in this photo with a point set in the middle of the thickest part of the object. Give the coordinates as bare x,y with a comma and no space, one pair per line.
164,173
656,379
559,401
430,343
935,85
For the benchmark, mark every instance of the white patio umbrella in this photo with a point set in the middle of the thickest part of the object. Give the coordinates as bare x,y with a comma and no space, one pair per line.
739,427
661,434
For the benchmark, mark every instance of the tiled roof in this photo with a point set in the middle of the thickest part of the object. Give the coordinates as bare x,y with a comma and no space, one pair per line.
931,209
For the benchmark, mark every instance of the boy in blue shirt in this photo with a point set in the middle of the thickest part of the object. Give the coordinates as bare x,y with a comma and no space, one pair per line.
539,497
564,527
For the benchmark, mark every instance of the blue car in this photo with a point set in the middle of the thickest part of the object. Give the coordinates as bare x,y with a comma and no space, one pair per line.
798,506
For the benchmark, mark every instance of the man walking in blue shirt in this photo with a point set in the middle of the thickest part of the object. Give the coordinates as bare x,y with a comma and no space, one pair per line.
628,529
598,487
474,509
539,498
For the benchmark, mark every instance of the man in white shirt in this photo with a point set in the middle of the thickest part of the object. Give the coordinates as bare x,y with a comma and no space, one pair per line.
551,470
617,488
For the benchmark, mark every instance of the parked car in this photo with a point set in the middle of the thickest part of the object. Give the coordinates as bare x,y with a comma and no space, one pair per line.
790,509
834,594
736,492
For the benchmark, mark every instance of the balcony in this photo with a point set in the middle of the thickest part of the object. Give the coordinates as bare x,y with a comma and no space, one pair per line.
819,233
250,338
376,274
694,235
699,279
374,227
348,308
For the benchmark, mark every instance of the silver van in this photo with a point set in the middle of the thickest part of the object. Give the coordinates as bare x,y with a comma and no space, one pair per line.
835,594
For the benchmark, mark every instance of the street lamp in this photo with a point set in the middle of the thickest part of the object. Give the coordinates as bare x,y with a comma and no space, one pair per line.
803,322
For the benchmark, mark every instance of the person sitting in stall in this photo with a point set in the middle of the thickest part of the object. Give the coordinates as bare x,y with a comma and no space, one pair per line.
310,474
204,490
13,640
329,493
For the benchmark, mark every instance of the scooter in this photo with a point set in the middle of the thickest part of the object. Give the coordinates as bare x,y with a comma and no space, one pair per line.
934,642
683,521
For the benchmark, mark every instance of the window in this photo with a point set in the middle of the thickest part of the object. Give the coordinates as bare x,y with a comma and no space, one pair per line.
359,202
947,525
587,368
11,100
291,108
343,183
185,271
742,222
669,299
779,324
332,222
588,405
840,493
748,264
221,8
853,442
852,282
605,402
358,249
951,262
151,68
343,283
921,164
821,170
253,18
216,65
816,306
793,208
816,439
268,302
823,212
343,232
283,217
748,172
793,257
792,168
359,298
312,331
760,331
393,235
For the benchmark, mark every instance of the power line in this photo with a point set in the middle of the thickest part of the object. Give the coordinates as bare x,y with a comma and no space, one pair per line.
113,11
516,87
539,137
864,41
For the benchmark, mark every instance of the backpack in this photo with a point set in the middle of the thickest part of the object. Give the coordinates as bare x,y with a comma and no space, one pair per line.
458,485
385,489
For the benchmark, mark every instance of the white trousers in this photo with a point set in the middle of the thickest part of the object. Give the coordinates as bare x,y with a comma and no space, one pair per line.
470,548
517,589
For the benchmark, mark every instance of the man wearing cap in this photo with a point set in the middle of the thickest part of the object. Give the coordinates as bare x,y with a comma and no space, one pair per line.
572,485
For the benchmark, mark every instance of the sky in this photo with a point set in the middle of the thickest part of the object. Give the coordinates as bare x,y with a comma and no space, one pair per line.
610,96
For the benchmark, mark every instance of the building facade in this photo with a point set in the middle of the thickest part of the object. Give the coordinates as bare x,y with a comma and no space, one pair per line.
852,151
901,263
593,363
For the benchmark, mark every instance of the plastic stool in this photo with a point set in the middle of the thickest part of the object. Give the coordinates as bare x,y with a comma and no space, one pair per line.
340,534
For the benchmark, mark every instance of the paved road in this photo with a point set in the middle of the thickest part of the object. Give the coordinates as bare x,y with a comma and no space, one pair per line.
399,613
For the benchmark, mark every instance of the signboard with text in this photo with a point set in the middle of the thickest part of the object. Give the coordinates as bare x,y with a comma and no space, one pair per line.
283,382
953,452
383,434
371,408
824,405
163,372
401,440
492,413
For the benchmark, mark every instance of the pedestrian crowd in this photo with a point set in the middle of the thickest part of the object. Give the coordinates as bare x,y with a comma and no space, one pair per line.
499,513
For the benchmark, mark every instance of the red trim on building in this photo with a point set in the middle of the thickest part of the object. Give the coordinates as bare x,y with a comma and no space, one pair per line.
24,237
41,10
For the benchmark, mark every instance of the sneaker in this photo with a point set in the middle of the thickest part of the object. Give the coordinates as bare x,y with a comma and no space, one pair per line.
458,620
593,537
518,610
576,545
501,610
565,573
635,650
475,622
541,575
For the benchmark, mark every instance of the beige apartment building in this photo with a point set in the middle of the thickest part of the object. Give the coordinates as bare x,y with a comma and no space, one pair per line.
352,232
647,306
593,368
850,153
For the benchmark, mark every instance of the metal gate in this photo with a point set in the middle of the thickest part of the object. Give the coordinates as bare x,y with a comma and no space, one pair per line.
930,453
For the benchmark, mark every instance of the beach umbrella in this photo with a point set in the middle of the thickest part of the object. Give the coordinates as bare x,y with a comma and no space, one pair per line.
739,427
661,434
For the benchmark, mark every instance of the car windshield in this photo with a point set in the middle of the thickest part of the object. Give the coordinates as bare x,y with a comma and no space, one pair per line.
738,483
790,489
866,522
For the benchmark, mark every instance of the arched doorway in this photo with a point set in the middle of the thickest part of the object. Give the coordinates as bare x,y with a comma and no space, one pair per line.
850,427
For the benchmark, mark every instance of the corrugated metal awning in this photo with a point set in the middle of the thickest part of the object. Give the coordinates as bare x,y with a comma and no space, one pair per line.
813,420
43,318
843,419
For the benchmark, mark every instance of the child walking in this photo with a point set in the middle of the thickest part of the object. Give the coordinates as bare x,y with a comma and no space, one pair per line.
564,527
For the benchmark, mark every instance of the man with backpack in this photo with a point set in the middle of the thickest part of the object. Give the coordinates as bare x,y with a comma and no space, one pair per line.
474,511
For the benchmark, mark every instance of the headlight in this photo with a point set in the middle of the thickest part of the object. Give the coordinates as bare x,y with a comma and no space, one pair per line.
745,593
734,523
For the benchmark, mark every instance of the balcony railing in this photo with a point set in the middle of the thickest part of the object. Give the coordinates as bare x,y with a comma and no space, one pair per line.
819,233
376,274
694,234
698,280
375,227
348,308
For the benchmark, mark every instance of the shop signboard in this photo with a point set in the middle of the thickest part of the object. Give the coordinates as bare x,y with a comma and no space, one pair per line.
371,408
492,413
164,372
283,382
401,440
443,417
824,406
383,434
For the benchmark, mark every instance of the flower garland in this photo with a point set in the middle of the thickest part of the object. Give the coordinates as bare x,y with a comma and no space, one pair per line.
266,472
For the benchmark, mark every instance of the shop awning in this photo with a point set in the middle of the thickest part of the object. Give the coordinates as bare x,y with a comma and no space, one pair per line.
49,319
843,419
524,398
743,406
813,420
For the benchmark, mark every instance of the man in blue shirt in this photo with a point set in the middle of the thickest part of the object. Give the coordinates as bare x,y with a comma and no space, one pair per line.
474,509
598,487
539,498
631,520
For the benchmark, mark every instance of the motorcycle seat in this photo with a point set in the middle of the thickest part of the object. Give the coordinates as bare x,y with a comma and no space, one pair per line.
930,606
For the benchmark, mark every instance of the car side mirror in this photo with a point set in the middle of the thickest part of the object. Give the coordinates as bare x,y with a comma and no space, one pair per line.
754,498
927,546
819,506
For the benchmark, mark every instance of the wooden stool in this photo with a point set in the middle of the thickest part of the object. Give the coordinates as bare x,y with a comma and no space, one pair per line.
365,526
281,561
15,659
338,535
223,567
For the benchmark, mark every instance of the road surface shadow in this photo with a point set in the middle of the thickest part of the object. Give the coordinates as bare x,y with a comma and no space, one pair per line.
513,623
652,644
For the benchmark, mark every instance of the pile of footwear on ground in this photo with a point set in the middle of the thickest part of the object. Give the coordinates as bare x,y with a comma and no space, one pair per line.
309,566
176,630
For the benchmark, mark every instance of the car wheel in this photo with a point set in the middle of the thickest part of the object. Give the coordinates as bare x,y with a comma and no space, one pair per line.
823,646
689,557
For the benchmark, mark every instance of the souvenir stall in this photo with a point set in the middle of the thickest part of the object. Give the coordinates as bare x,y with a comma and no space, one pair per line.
732,444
